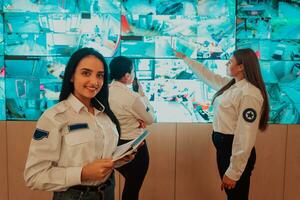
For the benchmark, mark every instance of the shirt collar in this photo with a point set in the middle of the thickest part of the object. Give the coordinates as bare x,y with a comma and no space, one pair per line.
119,84
240,83
75,103
78,105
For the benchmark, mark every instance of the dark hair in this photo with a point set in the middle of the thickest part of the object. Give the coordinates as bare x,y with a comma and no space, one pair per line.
68,86
252,73
119,66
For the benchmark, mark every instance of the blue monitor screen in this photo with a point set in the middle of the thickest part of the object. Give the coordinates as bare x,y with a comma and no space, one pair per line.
38,37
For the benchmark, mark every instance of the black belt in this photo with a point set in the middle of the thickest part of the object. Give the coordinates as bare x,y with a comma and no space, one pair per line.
92,188
223,136
85,188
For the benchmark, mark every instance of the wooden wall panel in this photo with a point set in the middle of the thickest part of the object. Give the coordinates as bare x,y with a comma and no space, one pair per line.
182,163
159,182
292,169
19,135
196,169
3,162
268,175
117,186
160,179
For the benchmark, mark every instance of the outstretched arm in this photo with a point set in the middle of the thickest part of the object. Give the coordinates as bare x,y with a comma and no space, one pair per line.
212,79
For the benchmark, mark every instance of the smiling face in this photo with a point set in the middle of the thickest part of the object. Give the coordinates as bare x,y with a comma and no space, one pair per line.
88,79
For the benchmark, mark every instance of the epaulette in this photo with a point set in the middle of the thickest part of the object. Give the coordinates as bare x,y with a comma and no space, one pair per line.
61,107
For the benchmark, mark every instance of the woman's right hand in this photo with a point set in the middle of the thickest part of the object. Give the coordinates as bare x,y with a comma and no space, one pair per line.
179,54
97,170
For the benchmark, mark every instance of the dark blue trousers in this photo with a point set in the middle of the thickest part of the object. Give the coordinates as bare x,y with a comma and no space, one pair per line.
223,145
134,172
105,191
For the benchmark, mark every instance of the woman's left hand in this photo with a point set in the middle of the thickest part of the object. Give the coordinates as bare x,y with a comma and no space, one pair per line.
125,159
227,183
131,156
128,158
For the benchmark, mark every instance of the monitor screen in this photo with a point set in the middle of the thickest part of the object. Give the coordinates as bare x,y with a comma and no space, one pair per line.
38,37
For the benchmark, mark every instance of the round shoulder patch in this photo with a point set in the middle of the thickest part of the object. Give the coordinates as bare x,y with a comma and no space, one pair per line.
249,115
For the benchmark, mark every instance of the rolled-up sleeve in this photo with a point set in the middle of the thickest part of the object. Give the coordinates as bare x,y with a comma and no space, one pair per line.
244,135
41,170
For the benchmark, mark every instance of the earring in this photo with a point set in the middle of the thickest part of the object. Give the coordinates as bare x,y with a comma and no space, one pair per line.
101,105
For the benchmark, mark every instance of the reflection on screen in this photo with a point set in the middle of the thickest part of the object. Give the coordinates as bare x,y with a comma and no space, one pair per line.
177,92
283,85
37,38
2,99
2,89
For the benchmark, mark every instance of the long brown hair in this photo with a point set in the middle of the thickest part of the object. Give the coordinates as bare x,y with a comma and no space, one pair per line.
252,73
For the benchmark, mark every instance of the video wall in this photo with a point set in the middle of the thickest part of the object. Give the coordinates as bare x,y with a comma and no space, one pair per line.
38,36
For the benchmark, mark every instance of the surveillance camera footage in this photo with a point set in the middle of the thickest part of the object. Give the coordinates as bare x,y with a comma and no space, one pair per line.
37,38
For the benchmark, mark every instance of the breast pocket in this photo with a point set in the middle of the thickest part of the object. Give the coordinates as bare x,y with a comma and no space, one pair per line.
78,148
79,138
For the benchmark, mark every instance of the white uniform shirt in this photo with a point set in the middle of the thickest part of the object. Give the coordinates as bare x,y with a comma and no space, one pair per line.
67,137
129,106
237,111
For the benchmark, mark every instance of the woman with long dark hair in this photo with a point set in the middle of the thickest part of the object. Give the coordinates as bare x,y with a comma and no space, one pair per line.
73,143
134,112
241,109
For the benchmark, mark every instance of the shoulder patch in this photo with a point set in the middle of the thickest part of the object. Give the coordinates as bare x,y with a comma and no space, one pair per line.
249,115
39,134
73,127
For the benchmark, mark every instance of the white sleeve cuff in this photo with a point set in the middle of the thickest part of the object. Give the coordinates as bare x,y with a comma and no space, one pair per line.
233,174
144,99
73,176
